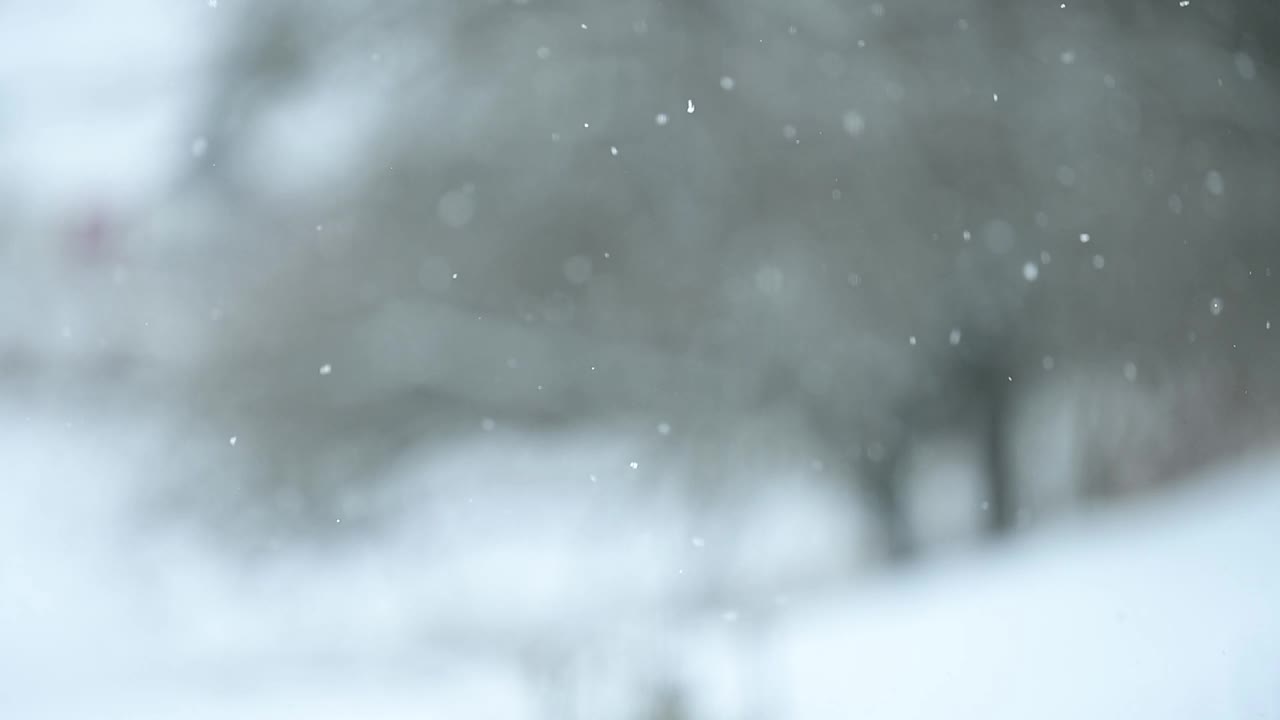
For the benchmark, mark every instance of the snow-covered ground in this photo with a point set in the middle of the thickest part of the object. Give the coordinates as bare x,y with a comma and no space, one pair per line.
547,578
1161,612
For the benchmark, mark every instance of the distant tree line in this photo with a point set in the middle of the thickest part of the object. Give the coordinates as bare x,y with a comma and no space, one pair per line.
894,219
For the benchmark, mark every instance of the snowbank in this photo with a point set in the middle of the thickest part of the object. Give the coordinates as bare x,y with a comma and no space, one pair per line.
520,580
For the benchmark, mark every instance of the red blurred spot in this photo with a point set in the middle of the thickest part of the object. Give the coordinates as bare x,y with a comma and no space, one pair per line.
92,239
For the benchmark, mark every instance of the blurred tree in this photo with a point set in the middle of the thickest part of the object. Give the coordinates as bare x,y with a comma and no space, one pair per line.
891,219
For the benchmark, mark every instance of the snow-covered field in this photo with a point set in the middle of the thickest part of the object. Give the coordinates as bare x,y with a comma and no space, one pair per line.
549,579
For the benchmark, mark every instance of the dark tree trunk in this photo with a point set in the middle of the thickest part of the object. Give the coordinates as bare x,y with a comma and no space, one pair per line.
974,397
883,475
996,398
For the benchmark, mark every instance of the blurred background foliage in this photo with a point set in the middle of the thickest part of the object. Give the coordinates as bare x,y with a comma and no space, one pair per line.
836,232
